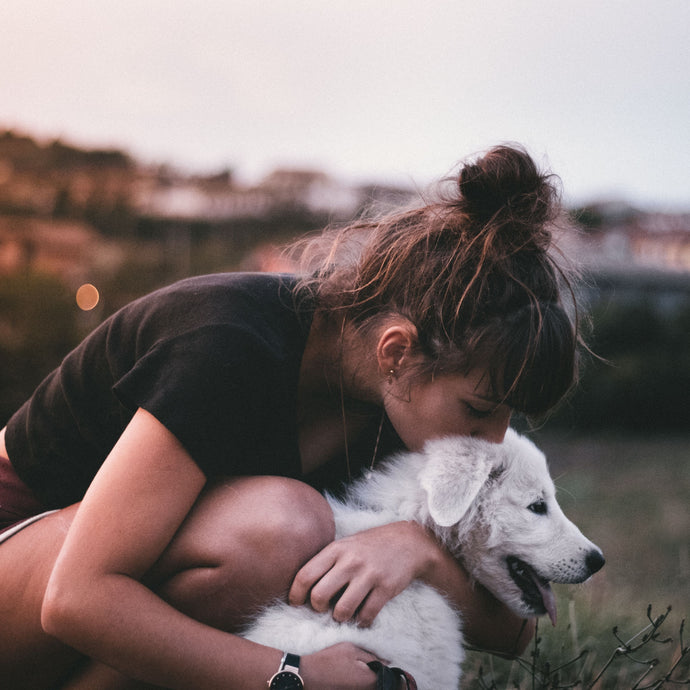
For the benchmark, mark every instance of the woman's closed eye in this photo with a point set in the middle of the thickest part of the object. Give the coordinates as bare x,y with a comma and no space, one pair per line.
479,412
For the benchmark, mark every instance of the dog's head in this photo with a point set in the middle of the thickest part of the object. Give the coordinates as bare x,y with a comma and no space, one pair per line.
495,507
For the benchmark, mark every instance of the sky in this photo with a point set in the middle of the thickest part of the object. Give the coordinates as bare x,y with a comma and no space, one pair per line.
393,91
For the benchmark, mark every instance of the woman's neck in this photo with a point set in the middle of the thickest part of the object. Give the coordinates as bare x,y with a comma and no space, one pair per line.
334,406
337,362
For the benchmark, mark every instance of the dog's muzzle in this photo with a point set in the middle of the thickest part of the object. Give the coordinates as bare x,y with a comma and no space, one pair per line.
537,594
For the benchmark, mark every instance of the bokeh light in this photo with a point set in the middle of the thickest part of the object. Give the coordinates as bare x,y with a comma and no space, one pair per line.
87,297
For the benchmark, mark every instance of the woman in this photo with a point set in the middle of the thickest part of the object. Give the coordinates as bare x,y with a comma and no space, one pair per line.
178,443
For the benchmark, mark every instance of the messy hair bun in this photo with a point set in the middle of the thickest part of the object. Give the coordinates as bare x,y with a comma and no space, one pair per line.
474,269
505,191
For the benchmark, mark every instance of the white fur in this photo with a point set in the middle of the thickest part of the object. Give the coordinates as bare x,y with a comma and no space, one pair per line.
475,497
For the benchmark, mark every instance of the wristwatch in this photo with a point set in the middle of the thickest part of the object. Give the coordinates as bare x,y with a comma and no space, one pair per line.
287,677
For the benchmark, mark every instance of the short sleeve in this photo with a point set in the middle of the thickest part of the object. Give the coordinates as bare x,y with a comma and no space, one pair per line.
224,393
214,358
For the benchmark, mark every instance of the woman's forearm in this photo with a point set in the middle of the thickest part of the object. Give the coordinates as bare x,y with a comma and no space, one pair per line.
123,624
94,600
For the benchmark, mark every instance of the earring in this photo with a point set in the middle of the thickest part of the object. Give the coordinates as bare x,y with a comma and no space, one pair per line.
391,376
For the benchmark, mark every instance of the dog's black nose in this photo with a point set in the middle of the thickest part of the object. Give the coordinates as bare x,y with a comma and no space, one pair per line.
595,561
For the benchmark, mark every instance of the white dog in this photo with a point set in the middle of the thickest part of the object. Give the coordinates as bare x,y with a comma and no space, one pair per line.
494,507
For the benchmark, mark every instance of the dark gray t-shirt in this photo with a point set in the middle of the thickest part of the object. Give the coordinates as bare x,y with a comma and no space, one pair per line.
215,359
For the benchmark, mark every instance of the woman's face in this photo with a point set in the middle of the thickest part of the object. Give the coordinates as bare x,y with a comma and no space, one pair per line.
452,404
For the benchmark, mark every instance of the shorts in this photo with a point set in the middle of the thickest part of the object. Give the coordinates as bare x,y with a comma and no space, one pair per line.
18,505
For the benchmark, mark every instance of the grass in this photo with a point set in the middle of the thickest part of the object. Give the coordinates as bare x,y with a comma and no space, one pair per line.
655,656
631,497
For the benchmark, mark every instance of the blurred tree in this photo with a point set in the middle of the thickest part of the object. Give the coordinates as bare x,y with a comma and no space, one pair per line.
643,382
38,326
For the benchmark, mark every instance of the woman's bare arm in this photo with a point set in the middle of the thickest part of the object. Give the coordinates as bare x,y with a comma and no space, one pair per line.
368,569
95,602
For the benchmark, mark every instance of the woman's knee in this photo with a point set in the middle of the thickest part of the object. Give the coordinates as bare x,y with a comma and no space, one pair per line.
273,517
241,546
294,524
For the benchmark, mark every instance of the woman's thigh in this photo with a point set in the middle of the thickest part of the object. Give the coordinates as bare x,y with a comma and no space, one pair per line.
239,547
28,657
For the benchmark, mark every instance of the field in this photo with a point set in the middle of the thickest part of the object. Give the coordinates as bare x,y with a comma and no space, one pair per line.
631,497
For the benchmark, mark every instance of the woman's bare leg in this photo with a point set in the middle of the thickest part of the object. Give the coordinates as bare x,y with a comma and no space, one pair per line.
29,658
240,547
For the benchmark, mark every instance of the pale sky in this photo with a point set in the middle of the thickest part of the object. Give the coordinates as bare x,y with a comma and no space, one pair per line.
389,90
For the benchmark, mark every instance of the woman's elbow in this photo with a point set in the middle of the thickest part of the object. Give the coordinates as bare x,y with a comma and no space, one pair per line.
60,609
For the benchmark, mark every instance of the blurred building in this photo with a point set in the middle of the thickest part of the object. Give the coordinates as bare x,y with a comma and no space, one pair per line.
65,210
618,237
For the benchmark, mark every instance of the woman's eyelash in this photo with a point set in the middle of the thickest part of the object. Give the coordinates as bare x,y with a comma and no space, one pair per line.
475,412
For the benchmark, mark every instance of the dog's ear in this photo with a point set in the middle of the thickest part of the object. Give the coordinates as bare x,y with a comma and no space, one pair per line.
454,473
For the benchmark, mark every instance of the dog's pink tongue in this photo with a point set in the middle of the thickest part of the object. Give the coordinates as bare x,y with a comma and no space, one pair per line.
549,599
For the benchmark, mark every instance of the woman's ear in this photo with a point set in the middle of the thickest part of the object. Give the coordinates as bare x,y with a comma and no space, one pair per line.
397,345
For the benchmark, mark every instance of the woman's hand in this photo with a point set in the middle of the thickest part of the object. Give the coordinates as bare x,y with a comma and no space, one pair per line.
365,570
340,667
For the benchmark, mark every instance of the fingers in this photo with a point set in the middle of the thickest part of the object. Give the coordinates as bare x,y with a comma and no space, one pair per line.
323,580
371,607
344,665
355,599
350,600
363,658
309,575
354,574
366,657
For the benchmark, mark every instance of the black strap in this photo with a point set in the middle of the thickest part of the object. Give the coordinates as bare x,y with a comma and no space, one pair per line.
290,660
388,677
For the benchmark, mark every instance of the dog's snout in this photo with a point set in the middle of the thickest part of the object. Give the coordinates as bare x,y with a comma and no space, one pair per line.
594,561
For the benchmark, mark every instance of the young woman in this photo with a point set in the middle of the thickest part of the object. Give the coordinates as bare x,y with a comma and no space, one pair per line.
179,445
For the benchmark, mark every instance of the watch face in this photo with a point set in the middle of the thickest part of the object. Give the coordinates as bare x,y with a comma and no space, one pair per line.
286,680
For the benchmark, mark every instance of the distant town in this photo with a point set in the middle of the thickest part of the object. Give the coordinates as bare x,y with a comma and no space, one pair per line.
74,212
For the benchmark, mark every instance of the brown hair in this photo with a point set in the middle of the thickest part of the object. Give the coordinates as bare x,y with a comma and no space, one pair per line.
474,270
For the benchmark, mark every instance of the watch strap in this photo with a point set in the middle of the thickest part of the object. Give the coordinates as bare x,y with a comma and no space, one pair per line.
388,677
287,674
290,662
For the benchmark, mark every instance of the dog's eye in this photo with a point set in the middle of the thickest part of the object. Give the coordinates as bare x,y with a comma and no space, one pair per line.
538,507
